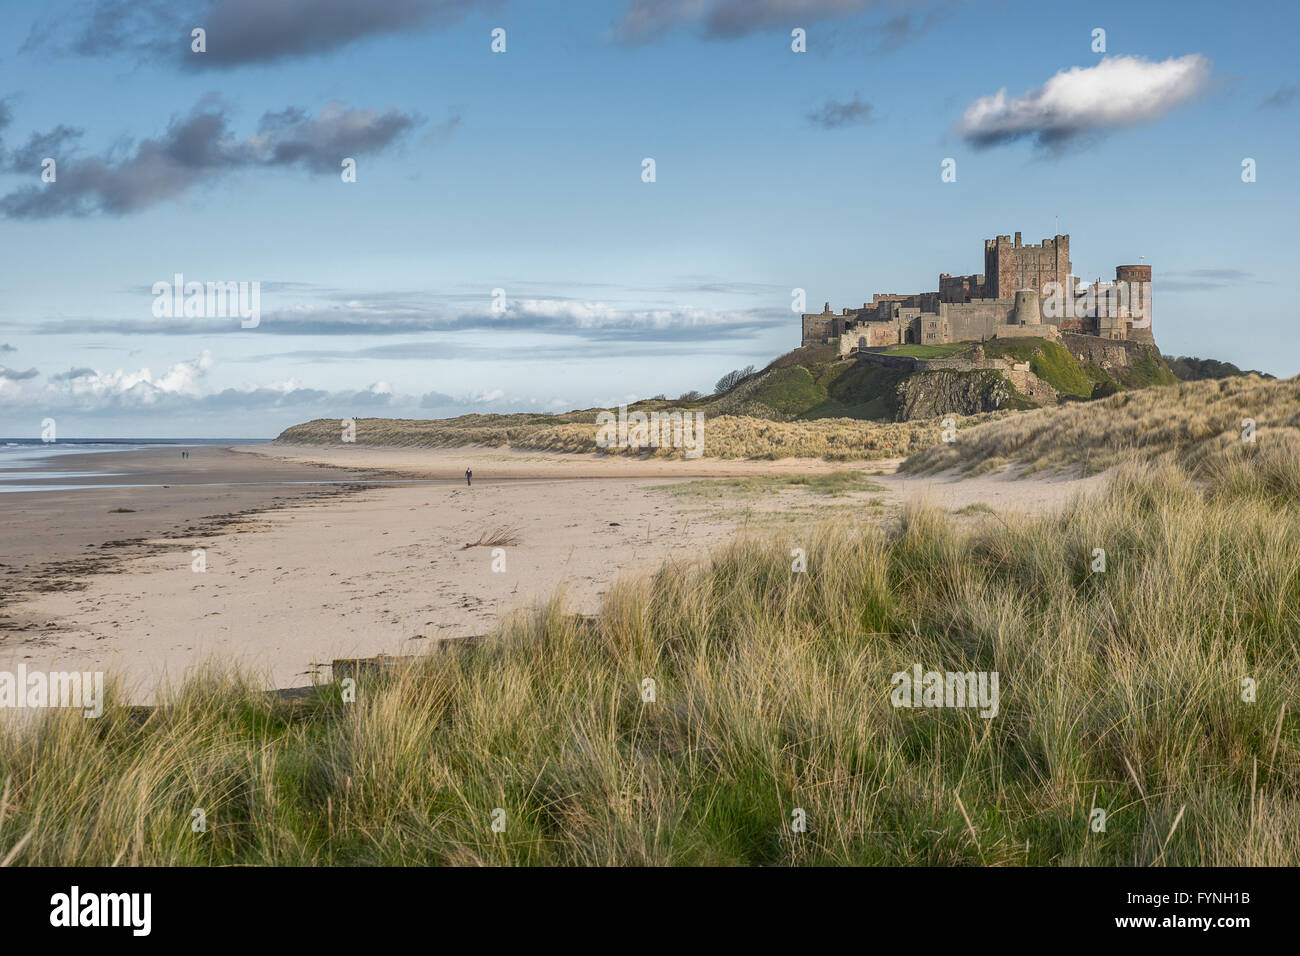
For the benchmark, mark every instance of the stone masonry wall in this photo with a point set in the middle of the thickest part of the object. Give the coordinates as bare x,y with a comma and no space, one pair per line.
1105,353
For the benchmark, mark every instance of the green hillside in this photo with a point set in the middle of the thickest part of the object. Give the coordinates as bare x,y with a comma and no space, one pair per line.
816,382
1189,369
1051,362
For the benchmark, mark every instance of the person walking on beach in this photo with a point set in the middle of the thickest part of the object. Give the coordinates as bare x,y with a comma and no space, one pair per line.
468,475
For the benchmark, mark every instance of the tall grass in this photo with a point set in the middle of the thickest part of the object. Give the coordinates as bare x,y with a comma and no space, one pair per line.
1120,690
1200,424
725,436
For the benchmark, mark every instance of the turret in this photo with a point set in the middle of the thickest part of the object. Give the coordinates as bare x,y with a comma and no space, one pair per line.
1027,311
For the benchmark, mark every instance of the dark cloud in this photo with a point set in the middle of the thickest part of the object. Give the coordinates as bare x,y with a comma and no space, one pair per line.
441,351
321,142
833,115
905,28
251,31
199,149
646,20
387,314
28,158
705,285
1201,280
436,400
1230,275
73,373
1281,98
13,375
6,347
239,32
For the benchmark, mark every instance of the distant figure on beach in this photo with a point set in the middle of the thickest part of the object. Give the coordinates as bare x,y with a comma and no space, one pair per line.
468,475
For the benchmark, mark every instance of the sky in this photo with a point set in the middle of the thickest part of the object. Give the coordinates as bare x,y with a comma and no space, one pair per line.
501,248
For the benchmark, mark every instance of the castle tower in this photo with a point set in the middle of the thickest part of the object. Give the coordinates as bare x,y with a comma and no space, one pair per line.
1027,311
1134,286
1010,265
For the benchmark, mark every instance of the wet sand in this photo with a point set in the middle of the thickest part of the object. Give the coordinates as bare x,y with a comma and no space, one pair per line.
50,539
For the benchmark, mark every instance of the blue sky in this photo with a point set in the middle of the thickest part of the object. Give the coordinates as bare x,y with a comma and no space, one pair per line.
521,171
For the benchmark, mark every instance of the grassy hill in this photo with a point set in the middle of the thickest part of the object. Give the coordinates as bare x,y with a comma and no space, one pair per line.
814,382
1199,425
1189,369
808,402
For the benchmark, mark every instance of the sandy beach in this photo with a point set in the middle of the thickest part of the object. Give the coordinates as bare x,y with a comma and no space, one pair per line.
299,570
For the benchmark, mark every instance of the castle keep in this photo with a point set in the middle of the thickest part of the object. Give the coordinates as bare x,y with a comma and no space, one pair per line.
1023,291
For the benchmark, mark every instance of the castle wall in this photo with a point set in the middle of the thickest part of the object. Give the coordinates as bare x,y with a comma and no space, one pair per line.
872,334
820,326
977,307
960,288
909,364
1101,352
1045,331
973,321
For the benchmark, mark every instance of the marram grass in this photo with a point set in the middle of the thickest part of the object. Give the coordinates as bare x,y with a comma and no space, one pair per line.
724,436
1199,424
1120,691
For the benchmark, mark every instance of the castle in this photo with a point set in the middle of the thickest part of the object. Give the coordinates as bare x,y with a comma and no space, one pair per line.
1024,291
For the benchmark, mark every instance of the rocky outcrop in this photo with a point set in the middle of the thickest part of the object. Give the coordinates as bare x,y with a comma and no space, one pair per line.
933,394
1030,385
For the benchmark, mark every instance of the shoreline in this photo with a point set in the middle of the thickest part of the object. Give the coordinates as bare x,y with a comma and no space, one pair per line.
296,575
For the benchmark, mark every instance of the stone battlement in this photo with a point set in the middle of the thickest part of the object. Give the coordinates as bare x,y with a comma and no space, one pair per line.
1025,290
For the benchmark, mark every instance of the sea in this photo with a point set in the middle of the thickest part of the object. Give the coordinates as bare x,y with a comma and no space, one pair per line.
29,464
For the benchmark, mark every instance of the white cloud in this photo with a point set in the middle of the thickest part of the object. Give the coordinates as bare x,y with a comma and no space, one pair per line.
183,390
1119,91
91,388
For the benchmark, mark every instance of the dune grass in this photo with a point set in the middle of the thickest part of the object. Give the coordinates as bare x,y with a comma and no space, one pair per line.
1197,424
833,484
1120,691
725,436
502,537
